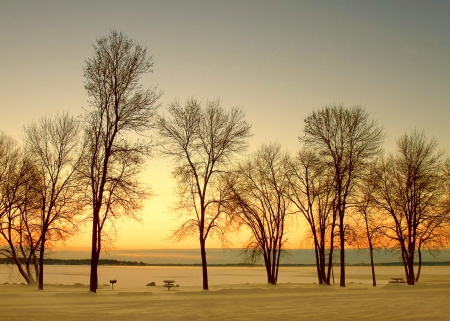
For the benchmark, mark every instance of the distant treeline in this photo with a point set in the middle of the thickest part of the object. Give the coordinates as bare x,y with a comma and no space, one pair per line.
135,263
81,262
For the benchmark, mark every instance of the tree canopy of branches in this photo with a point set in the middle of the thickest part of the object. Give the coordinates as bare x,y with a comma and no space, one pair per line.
312,195
259,200
54,148
201,142
19,205
412,189
346,140
113,162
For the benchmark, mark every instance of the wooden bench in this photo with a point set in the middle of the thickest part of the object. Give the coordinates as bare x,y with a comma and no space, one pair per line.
397,280
169,284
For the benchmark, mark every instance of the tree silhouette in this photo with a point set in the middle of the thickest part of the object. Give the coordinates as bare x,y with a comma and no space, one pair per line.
346,140
259,200
119,107
412,191
312,195
19,204
202,142
54,148
368,222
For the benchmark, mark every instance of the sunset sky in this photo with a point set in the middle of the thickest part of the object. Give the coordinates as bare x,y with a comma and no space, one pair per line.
278,60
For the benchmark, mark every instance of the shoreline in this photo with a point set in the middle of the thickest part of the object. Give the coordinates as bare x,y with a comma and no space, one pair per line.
110,262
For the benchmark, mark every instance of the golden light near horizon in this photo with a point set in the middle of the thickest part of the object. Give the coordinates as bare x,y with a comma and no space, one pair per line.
277,60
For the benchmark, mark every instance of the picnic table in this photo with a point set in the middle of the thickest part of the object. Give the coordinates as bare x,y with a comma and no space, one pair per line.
397,280
169,284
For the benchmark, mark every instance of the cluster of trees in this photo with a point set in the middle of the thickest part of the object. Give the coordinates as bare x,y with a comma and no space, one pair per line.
70,172
76,171
341,183
39,192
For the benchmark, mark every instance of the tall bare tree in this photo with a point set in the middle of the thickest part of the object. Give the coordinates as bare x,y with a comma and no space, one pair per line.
119,107
259,200
312,195
54,148
346,140
19,204
412,191
201,142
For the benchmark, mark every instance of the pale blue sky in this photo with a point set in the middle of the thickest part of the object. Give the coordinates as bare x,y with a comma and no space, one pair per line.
278,60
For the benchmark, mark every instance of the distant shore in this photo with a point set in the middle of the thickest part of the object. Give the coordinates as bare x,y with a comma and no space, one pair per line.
110,262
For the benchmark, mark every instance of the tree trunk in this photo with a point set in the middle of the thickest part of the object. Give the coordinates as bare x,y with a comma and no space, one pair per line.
93,282
405,263
33,260
419,253
330,264
204,264
322,264
369,240
275,269
410,267
24,272
342,239
330,255
41,263
36,269
275,277
267,265
269,268
374,281
318,262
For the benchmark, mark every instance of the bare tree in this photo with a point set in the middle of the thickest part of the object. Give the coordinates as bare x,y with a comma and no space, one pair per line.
259,200
54,148
19,231
434,235
346,140
119,107
312,195
201,142
368,222
435,232
412,191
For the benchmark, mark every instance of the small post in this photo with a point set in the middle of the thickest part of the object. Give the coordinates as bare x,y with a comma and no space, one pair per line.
112,283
